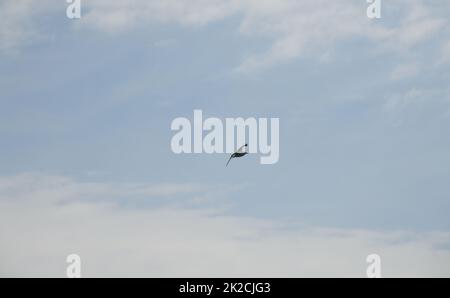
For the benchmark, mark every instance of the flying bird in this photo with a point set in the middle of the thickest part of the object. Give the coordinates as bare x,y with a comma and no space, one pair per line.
239,153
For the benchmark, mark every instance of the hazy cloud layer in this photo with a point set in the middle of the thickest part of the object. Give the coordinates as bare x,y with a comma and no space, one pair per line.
45,218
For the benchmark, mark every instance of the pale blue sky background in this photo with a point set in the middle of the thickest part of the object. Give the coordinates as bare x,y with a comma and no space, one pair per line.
365,115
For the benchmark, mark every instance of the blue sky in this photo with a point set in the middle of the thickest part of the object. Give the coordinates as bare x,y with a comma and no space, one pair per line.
364,108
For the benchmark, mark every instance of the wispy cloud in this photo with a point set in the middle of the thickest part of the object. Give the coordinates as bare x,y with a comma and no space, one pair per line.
17,22
14,25
34,187
294,28
39,227
445,53
404,71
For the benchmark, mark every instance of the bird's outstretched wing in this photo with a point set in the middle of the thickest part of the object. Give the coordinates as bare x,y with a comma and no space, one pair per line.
229,159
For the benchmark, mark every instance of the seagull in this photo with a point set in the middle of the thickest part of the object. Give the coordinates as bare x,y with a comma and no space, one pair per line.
241,152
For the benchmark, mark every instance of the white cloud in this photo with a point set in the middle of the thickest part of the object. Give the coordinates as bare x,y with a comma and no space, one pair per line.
300,27
45,218
28,186
417,23
445,53
405,71
17,22
417,31
113,16
164,43
417,98
295,28
13,24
